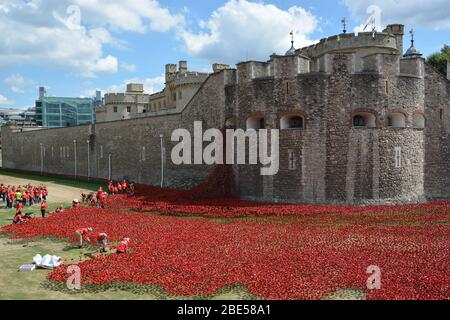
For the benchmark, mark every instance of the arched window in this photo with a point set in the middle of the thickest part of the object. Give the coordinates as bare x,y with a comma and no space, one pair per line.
418,121
256,123
364,120
397,120
292,122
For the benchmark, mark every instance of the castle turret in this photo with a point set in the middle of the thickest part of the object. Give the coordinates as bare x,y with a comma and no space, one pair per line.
398,30
183,66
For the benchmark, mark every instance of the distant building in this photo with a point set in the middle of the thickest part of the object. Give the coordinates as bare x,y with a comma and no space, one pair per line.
18,117
180,87
57,112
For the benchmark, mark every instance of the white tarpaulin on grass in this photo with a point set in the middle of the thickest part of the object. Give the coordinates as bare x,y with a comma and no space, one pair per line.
47,262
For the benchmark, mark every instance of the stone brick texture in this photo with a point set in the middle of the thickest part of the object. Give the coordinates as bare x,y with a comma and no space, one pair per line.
332,162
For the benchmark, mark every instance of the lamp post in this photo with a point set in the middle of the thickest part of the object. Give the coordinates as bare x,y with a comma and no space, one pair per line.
162,160
42,159
109,167
88,159
75,156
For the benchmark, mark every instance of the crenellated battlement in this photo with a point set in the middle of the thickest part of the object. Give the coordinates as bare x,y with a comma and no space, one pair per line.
387,41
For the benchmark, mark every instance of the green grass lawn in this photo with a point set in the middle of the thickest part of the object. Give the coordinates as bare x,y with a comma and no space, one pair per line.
78,183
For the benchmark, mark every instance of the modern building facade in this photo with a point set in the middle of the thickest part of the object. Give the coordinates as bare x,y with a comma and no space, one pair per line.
58,112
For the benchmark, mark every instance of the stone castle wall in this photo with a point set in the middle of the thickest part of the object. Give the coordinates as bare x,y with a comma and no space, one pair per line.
328,161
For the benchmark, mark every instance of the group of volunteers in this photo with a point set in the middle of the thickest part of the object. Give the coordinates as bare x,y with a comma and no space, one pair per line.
101,239
20,197
99,200
93,199
116,187
27,195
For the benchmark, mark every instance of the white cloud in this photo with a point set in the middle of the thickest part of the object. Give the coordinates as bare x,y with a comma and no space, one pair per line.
128,67
57,33
4,100
130,15
18,84
241,28
433,14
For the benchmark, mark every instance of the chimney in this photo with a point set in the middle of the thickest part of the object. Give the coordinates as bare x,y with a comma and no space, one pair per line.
183,66
217,67
171,69
448,69
42,92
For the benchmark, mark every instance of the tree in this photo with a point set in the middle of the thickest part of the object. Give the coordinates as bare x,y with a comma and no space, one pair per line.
439,59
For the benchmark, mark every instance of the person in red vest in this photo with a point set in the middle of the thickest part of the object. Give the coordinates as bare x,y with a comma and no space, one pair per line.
111,188
19,208
11,197
102,201
18,219
123,245
100,193
43,208
102,241
82,234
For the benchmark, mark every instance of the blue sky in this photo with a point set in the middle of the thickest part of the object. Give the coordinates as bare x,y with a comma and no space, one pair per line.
74,47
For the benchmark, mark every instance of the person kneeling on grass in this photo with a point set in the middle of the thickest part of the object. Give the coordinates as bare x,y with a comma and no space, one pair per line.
123,246
82,234
59,209
18,219
102,241
75,203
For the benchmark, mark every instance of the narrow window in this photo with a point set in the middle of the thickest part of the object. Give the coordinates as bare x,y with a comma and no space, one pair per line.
386,87
398,157
53,154
143,154
292,161
441,114
287,88
101,152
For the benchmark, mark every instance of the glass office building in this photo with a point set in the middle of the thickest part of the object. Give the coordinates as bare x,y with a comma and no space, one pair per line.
57,112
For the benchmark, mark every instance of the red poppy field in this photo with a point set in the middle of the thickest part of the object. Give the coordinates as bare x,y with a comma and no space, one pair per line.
275,251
